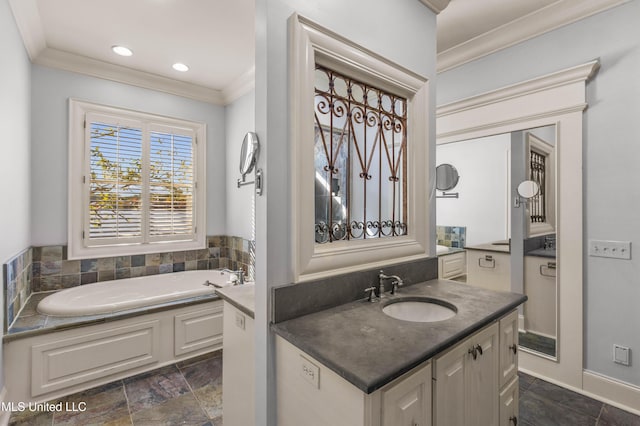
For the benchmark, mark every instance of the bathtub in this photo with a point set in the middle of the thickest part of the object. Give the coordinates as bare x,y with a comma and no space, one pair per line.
130,293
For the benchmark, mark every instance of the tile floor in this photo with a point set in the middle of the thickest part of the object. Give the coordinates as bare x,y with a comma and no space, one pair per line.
186,393
545,404
190,393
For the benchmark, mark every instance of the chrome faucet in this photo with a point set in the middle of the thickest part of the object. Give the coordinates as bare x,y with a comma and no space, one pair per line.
397,281
239,273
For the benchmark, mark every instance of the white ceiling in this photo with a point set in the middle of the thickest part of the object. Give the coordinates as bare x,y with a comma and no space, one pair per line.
215,38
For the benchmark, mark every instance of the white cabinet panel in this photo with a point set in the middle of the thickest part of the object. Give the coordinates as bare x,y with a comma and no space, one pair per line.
509,404
508,347
408,403
198,330
487,269
452,265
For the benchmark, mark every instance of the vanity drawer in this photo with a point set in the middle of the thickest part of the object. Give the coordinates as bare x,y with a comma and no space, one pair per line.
452,265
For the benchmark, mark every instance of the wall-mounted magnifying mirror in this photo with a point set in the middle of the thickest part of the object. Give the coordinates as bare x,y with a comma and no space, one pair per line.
447,178
248,153
248,160
526,190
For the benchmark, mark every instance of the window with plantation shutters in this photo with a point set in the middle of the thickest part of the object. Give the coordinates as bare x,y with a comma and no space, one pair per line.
139,183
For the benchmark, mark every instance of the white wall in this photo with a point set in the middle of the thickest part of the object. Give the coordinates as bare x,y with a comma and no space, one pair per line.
51,89
405,33
611,152
239,119
482,206
16,145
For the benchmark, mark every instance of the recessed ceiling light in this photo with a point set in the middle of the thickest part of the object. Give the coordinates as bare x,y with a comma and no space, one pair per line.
180,67
122,51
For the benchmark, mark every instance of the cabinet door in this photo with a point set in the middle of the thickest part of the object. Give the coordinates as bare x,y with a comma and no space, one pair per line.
482,378
508,347
466,382
453,265
509,404
408,403
450,386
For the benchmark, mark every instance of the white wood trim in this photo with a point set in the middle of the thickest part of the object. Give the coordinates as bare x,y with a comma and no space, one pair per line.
556,15
311,43
81,64
557,99
613,392
239,87
30,26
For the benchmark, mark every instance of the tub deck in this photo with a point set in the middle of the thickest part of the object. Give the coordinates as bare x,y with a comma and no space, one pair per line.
31,323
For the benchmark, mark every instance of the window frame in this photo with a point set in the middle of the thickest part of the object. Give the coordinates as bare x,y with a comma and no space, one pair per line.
534,143
310,44
78,185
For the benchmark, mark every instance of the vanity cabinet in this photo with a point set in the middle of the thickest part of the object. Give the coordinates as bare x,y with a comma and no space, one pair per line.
466,381
489,269
473,383
238,367
452,265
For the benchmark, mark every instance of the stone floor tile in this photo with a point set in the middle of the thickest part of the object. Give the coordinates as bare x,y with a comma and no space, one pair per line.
612,416
204,373
149,389
183,410
566,398
31,418
103,404
539,411
210,399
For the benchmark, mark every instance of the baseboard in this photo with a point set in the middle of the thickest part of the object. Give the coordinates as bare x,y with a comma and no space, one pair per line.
4,415
613,392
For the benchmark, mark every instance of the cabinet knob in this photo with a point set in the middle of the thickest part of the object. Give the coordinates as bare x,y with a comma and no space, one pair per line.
474,352
514,420
514,348
479,349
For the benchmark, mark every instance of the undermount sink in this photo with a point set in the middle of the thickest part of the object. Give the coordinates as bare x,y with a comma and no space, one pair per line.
420,309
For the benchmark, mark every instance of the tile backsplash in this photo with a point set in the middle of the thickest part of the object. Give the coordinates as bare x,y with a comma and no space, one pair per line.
47,268
451,236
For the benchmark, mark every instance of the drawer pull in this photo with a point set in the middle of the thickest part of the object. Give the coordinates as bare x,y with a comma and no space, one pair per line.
474,352
479,348
548,270
488,260
514,420
514,348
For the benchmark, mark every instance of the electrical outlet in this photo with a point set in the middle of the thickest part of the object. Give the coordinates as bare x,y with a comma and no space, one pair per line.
310,372
612,249
621,355
240,320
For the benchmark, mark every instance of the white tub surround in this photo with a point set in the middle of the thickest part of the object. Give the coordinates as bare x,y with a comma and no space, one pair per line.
71,354
120,295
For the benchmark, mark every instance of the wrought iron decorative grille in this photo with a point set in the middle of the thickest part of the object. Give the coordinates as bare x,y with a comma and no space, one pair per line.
538,174
360,159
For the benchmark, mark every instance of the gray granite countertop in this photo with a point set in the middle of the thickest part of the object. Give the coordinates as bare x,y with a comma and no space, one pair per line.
496,246
370,349
542,252
240,296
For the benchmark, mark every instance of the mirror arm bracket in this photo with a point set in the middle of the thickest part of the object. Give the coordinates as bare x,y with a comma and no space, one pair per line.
448,195
257,181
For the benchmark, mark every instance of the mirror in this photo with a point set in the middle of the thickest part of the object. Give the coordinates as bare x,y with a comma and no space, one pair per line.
248,153
446,177
509,246
528,189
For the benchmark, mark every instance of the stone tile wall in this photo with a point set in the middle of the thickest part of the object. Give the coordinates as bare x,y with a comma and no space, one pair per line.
451,236
47,268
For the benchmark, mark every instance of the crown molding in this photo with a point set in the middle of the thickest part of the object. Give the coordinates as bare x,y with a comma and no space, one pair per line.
436,6
29,23
240,86
81,64
582,72
534,24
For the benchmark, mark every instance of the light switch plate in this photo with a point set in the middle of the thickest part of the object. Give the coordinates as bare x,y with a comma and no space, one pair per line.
240,320
310,372
611,249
